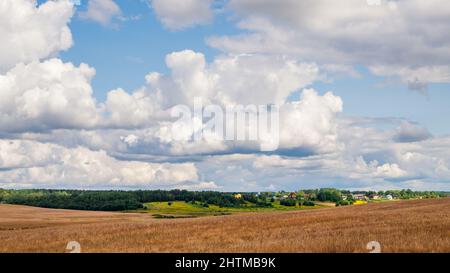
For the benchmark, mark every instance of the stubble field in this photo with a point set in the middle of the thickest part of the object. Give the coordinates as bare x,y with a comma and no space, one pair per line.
403,226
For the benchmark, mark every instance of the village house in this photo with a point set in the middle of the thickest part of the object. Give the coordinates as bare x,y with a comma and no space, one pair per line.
359,196
375,196
292,196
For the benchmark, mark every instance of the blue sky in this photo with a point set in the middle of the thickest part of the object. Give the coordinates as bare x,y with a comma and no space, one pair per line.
367,96
125,52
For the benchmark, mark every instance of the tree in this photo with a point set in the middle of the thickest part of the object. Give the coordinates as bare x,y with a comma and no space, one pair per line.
288,202
332,195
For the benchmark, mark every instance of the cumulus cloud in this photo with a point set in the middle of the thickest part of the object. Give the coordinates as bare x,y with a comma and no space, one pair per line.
352,168
412,154
310,123
393,38
55,104
47,95
33,164
306,124
228,80
232,79
30,32
57,95
181,14
363,165
124,110
101,11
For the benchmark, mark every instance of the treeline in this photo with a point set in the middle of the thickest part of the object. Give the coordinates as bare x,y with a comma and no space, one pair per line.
221,199
334,195
346,197
111,200
131,200
79,200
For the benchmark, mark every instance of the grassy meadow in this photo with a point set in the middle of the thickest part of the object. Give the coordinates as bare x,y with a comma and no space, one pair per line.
181,209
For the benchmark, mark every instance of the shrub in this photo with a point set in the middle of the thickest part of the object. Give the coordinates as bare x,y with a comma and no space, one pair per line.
288,202
308,203
343,203
263,204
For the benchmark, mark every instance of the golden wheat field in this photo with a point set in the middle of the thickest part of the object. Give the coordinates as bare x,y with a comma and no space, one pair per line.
403,226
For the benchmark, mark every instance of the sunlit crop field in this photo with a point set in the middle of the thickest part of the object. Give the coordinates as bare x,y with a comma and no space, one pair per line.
404,226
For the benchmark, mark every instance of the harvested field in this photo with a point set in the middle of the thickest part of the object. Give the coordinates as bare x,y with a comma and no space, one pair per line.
403,226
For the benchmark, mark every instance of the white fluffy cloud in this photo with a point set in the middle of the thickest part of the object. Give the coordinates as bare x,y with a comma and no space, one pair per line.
47,95
228,80
180,14
376,162
101,11
139,109
62,99
310,123
232,79
306,126
29,32
352,168
393,38
31,164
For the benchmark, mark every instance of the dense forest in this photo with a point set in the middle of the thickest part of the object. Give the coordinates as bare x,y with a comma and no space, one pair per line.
111,200
131,200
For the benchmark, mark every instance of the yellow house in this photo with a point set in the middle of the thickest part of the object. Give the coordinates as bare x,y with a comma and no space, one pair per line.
238,196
